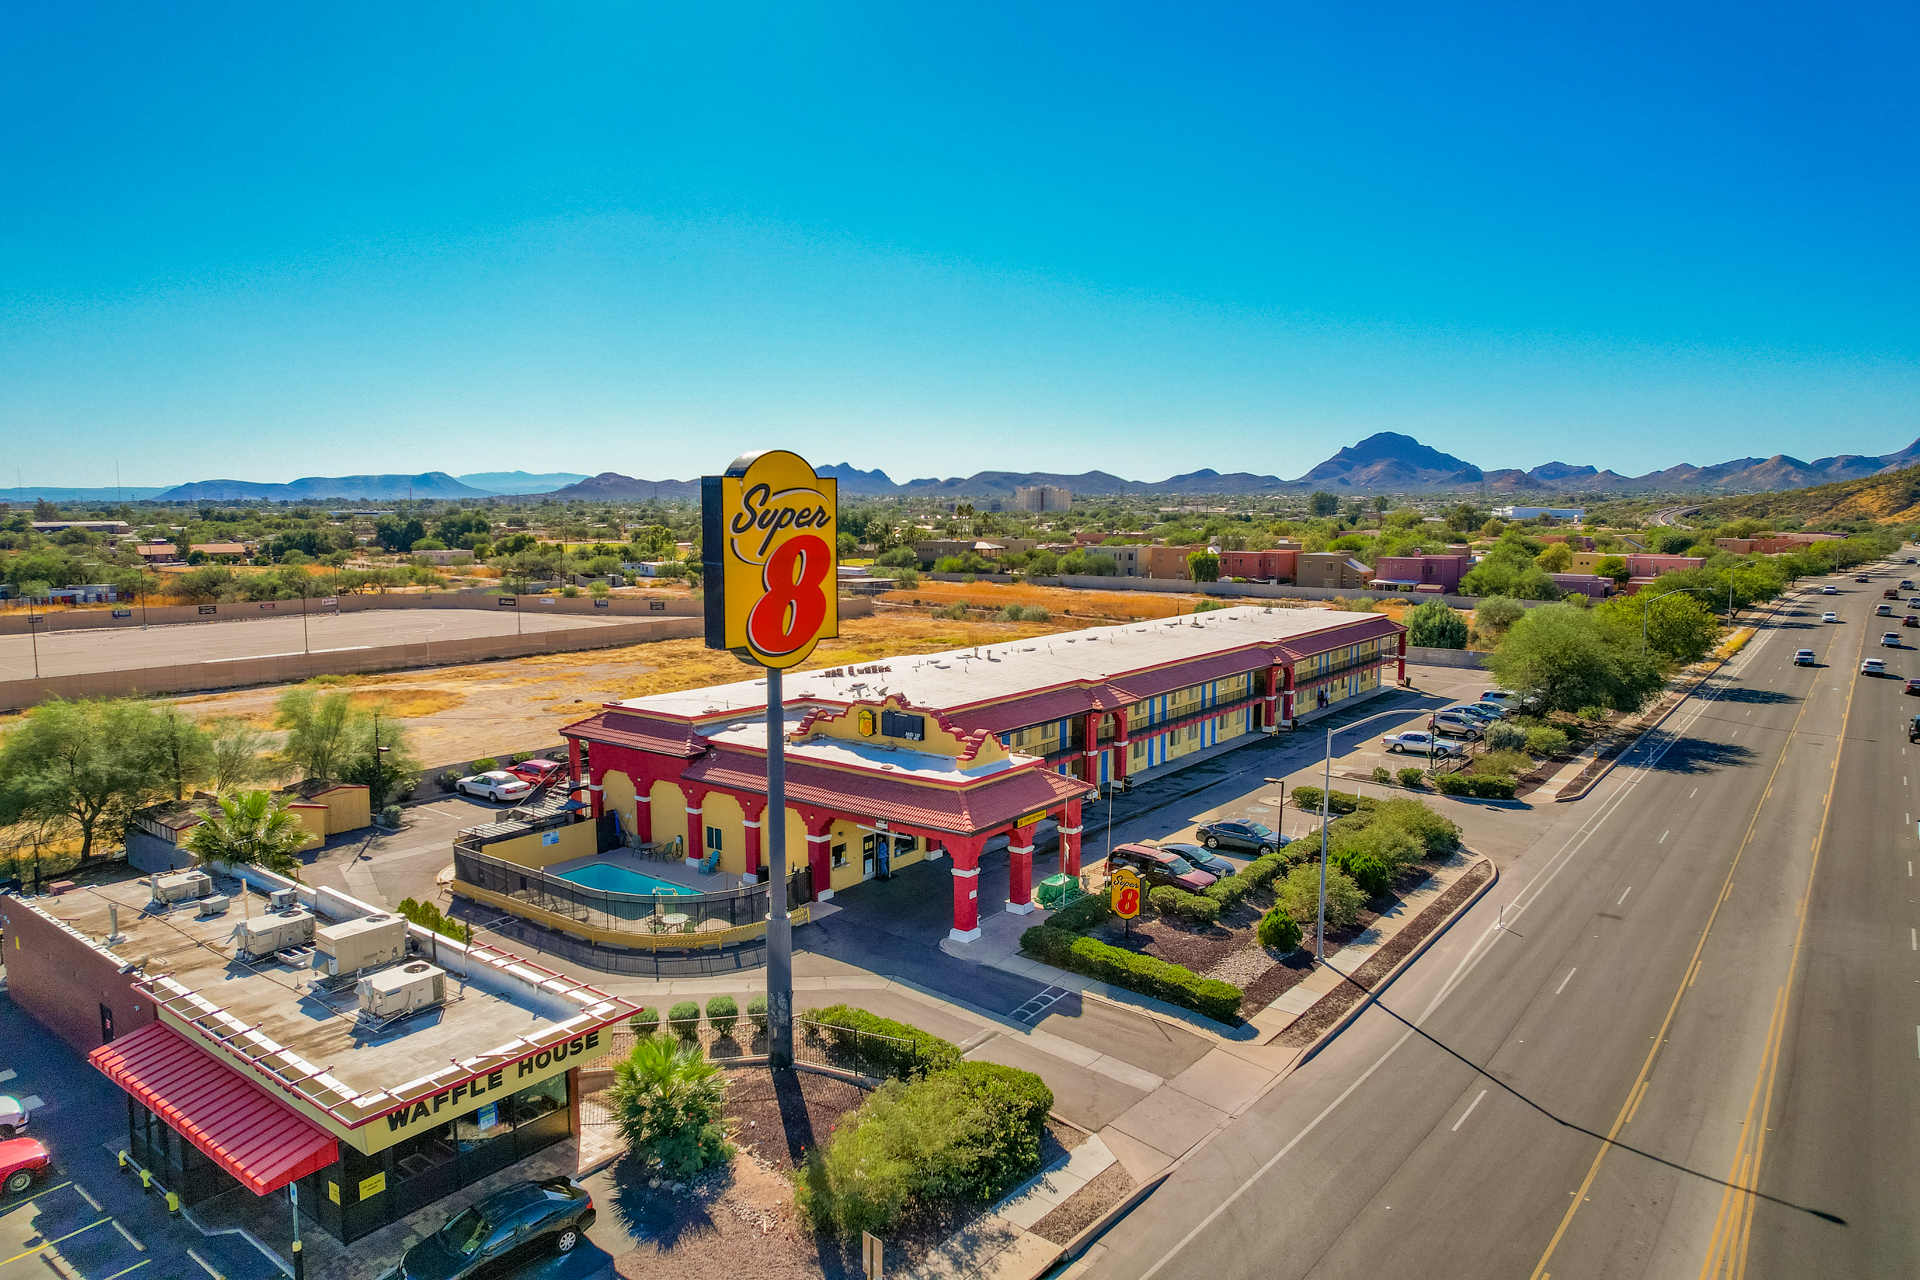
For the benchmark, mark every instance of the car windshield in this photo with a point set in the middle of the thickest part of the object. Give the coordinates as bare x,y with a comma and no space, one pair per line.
1258,830
466,1233
1180,866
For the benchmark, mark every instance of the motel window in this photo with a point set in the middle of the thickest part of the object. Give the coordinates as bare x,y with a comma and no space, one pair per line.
840,855
1193,733
713,838
1139,748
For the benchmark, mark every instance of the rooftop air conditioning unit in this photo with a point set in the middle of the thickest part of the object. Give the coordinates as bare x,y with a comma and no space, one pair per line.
213,904
264,935
182,886
359,944
392,992
283,900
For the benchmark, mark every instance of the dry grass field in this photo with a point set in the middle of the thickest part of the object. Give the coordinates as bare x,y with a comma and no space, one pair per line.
1090,607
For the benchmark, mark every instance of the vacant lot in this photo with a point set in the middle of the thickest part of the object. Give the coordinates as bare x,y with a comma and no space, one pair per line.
1091,607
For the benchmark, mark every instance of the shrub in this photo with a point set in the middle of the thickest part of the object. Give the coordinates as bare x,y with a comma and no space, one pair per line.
484,764
1546,741
1279,931
1012,613
1036,614
1299,894
1412,777
1502,736
1162,898
1365,870
521,757
1197,908
1502,762
1491,786
972,1131
757,1013
1308,798
391,815
1593,713
645,1022
722,1014
1451,784
684,1019
898,1049
1261,871
1145,974
1229,890
1382,775
1392,846
667,1101
1438,834
1082,914
448,780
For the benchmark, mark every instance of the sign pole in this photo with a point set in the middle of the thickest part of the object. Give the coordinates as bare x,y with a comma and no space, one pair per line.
779,928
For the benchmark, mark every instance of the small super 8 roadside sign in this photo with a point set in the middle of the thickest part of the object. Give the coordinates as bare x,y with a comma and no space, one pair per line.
1125,887
767,542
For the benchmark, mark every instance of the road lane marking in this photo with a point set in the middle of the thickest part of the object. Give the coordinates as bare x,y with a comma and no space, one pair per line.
1693,793
205,1265
1623,897
1663,837
1638,1098
1471,1105
1564,981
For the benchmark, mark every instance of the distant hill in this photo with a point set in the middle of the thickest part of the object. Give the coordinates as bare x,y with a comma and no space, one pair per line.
1889,498
611,486
429,484
1388,461
30,495
519,481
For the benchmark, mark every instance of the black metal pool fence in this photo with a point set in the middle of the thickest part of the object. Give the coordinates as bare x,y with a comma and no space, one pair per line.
607,909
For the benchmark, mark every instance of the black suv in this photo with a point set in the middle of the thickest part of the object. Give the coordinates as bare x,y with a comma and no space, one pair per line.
1251,836
503,1231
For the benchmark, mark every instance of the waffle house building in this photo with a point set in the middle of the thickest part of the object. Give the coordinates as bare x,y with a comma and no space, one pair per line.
929,758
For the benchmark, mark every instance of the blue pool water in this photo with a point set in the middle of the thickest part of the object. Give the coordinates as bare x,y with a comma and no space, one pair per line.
604,875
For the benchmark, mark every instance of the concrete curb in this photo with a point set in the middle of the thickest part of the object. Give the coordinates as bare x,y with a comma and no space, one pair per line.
1076,1247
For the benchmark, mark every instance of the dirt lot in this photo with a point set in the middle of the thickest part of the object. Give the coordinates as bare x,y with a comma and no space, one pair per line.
1092,607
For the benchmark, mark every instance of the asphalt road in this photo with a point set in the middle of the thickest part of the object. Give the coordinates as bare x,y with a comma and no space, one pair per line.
1582,1077
76,652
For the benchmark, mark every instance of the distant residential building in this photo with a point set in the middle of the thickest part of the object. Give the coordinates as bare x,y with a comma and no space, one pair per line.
1275,565
1333,569
1639,564
1042,497
1575,514
1591,585
159,551
936,549
1574,541
1772,545
223,548
1412,573
91,526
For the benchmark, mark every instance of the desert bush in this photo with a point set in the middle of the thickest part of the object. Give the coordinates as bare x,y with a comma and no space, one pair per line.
1451,784
391,815
484,765
1381,774
1365,870
1438,834
1012,613
1502,736
722,1014
1546,741
1412,777
448,780
1308,798
757,1013
645,1022
901,1050
1393,847
1491,786
1279,931
1299,894
1502,762
1036,614
521,757
683,1019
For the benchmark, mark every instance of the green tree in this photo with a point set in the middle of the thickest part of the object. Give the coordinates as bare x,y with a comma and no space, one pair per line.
397,534
239,757
1557,558
1561,654
89,764
319,729
1203,566
668,1100
250,830
1432,624
182,754
1299,895
1509,570
1320,503
1679,628
1614,567
380,757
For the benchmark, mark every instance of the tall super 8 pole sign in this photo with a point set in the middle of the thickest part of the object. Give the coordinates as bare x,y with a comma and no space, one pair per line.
767,545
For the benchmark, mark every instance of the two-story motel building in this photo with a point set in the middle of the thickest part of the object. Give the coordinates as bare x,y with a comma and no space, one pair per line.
925,758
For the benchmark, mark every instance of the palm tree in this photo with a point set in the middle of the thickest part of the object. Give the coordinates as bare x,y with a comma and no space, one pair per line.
251,830
667,1100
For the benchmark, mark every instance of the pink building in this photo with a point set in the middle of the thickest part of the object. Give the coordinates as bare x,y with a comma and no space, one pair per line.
1412,573
1591,585
1277,565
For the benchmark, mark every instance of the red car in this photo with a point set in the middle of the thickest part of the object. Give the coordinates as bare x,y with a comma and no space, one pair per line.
1913,684
536,771
1911,620
1160,866
23,1162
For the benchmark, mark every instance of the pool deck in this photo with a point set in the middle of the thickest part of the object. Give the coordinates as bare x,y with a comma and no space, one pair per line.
671,871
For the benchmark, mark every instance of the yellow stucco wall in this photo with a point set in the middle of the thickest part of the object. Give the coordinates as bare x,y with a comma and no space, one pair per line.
617,797
574,841
669,812
848,834
724,812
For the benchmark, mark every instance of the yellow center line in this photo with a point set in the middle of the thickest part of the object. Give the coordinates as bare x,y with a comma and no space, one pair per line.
1646,1068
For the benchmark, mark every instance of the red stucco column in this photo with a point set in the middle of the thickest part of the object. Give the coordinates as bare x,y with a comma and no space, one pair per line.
696,824
1090,748
820,853
1286,695
1070,840
1020,870
1120,741
1273,697
1403,657
753,807
966,887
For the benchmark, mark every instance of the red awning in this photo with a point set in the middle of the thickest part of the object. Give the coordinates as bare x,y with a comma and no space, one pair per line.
257,1138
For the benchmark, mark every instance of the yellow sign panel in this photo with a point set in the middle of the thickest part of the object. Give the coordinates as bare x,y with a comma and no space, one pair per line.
1124,885
866,723
333,1192
768,532
1030,819
371,1187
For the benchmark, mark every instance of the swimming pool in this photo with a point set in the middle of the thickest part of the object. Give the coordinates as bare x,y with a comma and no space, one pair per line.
615,879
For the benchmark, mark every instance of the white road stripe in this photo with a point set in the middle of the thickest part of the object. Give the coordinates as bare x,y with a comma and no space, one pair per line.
1564,981
1469,1111
1663,837
1623,897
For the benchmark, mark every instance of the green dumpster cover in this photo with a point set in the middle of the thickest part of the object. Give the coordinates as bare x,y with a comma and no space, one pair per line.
1057,891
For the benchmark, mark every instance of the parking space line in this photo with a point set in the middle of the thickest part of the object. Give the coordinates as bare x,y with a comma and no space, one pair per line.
49,1244
206,1266
131,1238
47,1191
89,1199
135,1267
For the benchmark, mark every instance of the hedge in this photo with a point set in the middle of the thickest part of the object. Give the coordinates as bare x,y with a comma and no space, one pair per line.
1487,786
1228,890
1149,976
1170,901
1082,914
1308,798
1261,871
922,1053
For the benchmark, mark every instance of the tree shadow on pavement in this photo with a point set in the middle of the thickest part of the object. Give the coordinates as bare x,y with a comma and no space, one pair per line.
1698,755
1757,697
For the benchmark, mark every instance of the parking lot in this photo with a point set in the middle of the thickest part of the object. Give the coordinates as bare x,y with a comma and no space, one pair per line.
321,631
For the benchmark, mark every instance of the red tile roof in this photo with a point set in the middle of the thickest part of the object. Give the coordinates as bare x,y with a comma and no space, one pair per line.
643,733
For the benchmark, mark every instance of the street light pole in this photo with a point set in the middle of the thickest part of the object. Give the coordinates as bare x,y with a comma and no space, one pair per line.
1326,813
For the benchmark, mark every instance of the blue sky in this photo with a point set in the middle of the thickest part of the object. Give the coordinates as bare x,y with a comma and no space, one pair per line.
268,241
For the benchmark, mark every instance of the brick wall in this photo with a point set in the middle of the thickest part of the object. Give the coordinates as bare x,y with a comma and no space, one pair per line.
62,980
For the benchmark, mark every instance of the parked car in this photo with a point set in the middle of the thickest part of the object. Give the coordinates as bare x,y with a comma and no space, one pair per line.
494,784
502,1231
1891,640
1913,602
536,770
1472,711
1803,658
1420,743
1829,590
13,1116
1211,863
1460,726
1829,617
1873,667
1250,836
1508,699
23,1162
1159,867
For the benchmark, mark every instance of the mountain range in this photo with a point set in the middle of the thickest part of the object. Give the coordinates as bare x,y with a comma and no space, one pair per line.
1385,462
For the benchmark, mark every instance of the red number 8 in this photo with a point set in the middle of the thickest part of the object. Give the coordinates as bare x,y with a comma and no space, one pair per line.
1127,902
793,608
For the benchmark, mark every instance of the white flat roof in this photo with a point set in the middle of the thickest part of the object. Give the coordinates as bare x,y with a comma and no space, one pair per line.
868,755
962,677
